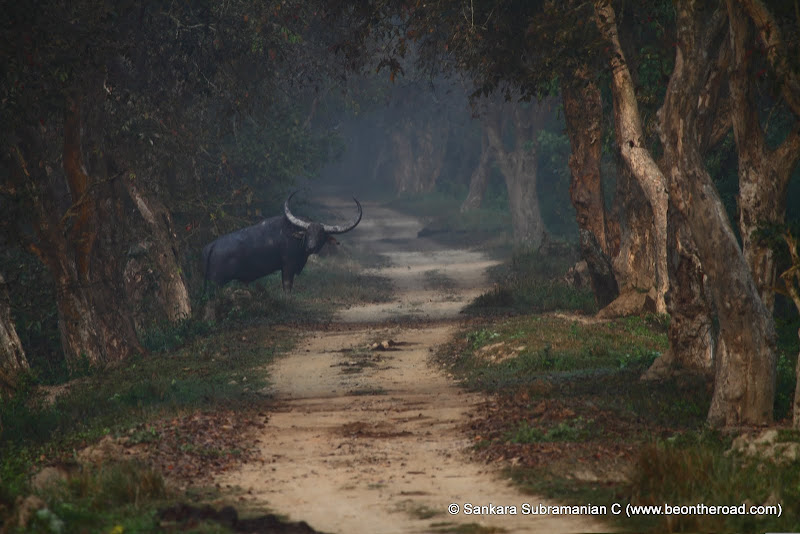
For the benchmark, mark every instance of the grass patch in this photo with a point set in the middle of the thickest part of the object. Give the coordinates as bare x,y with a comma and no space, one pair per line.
553,348
215,371
576,429
533,282
168,336
697,469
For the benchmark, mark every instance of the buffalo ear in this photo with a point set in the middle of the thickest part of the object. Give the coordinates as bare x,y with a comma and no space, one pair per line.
332,240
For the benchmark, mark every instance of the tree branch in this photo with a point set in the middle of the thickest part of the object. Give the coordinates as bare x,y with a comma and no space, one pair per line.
777,55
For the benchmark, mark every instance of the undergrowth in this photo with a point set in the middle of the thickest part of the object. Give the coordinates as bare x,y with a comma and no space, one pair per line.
534,282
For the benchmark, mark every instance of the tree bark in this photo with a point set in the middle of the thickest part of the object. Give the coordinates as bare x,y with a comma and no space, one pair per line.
764,173
630,140
634,268
78,246
479,179
791,280
745,364
519,167
12,357
692,335
157,271
692,339
583,112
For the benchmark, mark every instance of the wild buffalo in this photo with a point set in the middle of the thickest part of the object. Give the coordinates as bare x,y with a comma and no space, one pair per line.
284,242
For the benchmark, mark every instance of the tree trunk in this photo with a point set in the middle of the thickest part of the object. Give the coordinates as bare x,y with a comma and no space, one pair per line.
601,272
634,268
479,179
419,151
79,247
745,365
583,112
630,140
519,167
693,339
157,269
12,356
763,173
691,333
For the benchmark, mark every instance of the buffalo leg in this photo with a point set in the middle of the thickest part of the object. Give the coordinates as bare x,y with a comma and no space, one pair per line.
287,279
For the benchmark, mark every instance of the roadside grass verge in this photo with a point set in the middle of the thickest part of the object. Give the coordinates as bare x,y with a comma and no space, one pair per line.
207,372
571,420
525,350
534,282
219,372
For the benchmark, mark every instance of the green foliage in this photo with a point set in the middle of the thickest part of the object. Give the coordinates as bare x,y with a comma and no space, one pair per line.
32,299
481,337
554,179
785,384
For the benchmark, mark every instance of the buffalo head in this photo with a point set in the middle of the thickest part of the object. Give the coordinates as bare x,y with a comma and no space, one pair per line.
315,234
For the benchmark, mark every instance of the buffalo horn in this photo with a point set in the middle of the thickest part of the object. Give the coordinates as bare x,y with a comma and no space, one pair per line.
292,219
330,229
340,229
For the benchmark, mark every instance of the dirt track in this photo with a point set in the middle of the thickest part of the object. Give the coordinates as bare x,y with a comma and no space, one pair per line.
367,441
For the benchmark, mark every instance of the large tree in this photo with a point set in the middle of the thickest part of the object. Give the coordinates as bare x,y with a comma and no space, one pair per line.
583,112
631,143
745,368
764,171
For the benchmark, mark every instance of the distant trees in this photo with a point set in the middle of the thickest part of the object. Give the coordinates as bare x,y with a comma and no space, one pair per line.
518,163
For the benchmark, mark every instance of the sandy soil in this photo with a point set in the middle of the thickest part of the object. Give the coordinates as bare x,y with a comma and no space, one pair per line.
369,441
